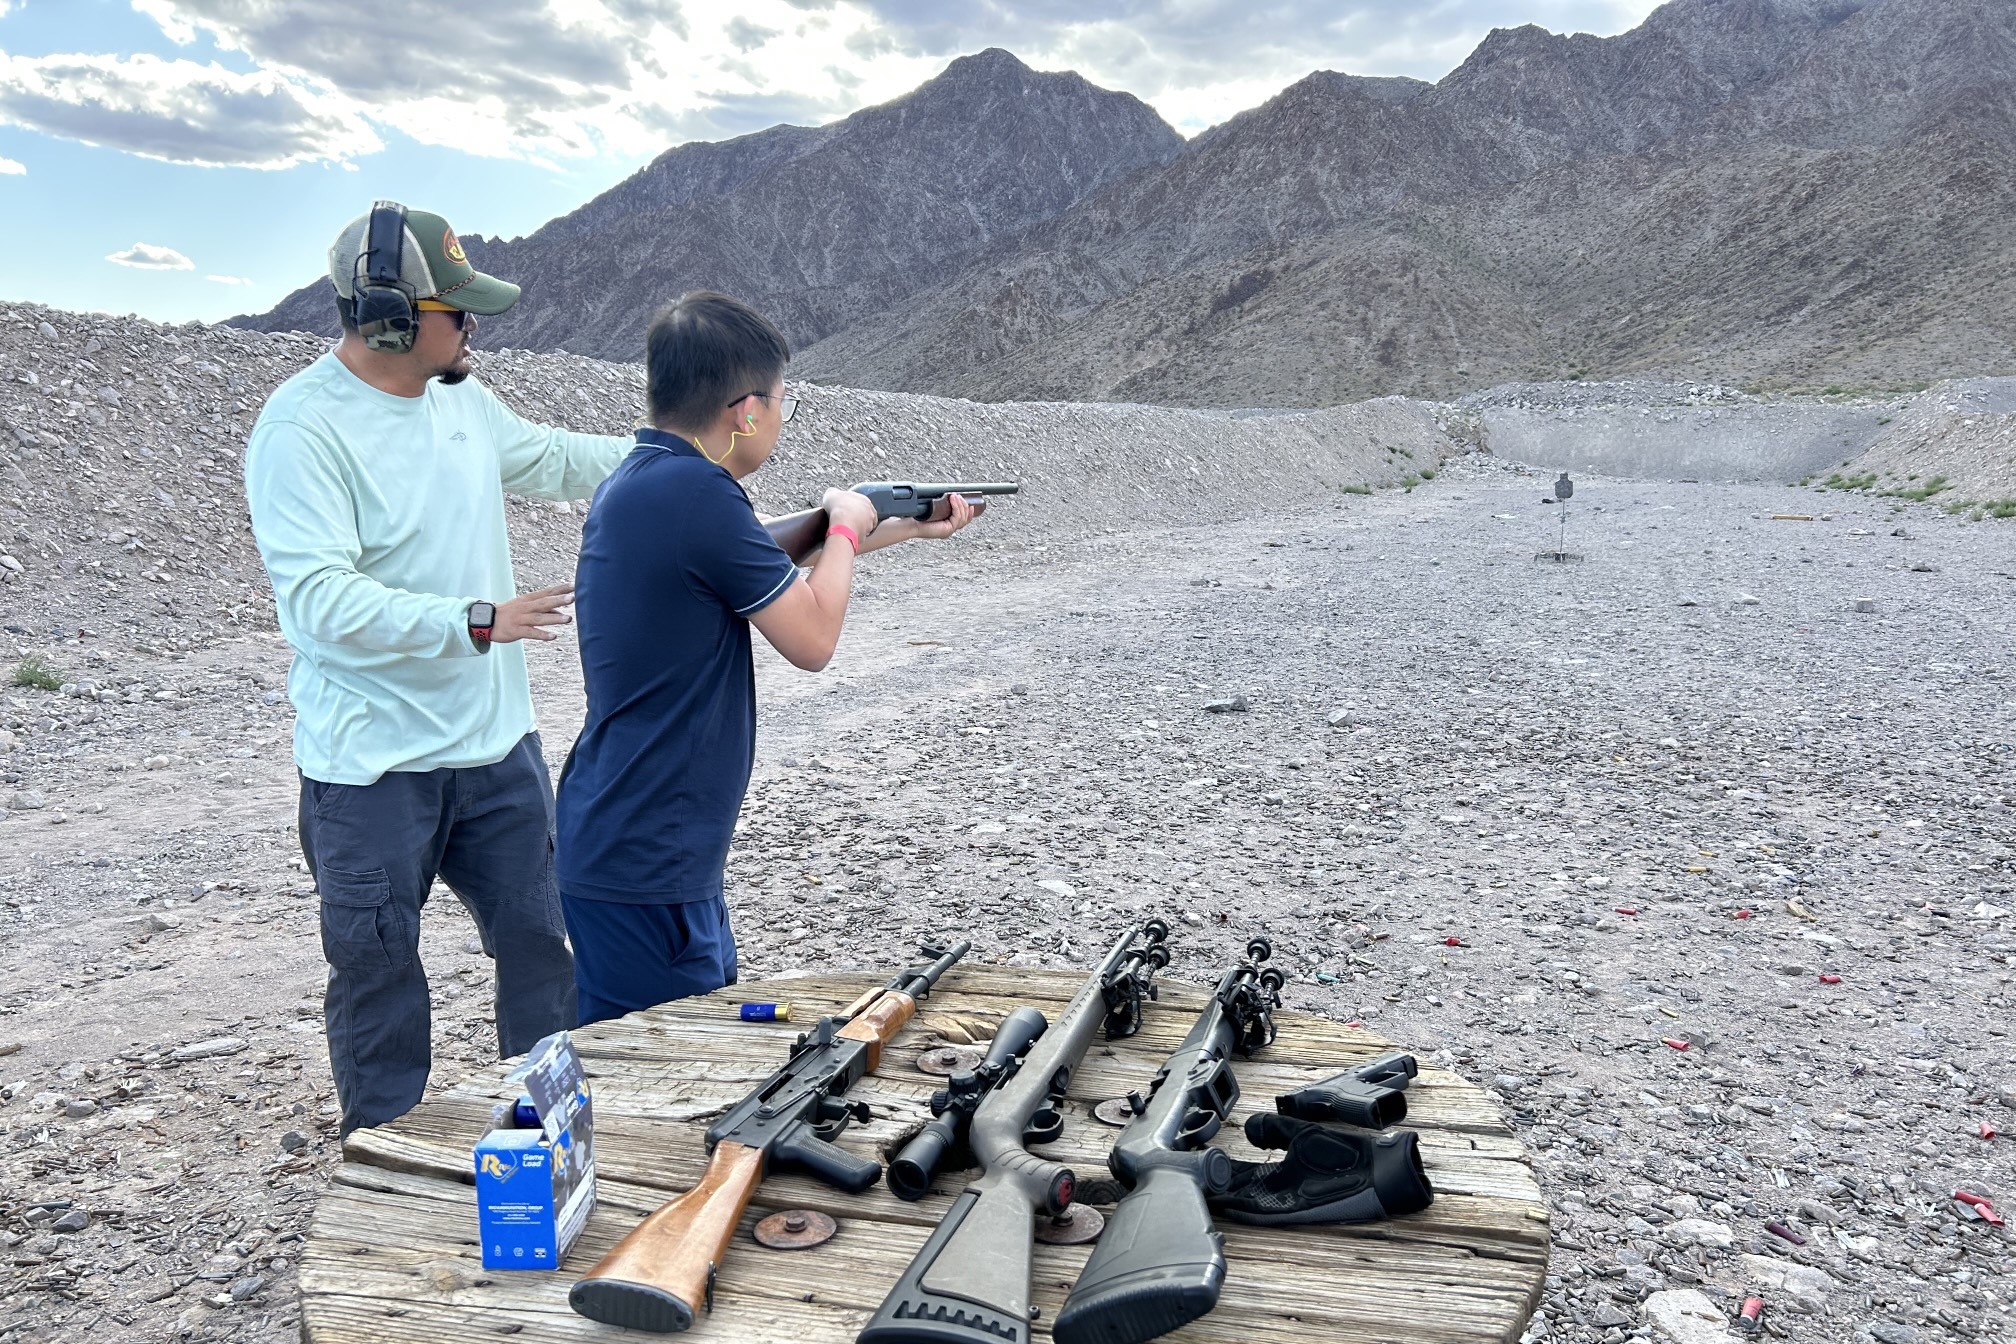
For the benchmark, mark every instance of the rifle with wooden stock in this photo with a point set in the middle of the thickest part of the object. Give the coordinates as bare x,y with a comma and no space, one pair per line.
658,1276
802,533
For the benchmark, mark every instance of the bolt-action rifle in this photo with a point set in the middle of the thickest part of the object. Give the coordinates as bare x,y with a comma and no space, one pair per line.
658,1276
802,533
952,1107
970,1283
1160,1263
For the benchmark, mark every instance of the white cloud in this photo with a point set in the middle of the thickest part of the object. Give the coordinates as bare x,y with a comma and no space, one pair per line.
551,79
148,257
227,279
544,80
180,111
11,167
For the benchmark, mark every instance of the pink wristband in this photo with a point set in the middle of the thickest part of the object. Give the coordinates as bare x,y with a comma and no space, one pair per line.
842,530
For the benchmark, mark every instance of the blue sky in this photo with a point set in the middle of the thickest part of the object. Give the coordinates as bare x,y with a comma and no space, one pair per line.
191,159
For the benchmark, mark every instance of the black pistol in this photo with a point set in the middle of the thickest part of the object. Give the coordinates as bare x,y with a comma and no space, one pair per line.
1371,1096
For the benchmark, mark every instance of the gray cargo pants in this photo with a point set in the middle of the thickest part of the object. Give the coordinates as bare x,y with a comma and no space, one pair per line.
375,850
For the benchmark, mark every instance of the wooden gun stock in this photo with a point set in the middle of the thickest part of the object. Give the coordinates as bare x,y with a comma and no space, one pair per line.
878,1022
800,534
659,1276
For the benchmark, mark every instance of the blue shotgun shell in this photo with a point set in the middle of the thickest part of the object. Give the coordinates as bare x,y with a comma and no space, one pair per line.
766,1012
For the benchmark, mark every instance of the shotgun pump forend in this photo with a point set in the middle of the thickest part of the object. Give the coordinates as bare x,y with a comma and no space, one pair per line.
952,1107
1371,1096
1161,1263
902,499
660,1275
970,1283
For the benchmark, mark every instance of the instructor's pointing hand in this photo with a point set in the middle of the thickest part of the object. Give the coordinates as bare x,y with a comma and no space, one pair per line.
528,615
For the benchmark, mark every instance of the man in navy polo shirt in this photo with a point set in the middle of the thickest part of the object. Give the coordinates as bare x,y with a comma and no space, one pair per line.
675,567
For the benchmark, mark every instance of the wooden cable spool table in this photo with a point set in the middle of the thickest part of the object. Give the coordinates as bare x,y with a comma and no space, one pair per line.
392,1255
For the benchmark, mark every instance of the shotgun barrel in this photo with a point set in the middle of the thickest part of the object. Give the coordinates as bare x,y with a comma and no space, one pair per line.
804,532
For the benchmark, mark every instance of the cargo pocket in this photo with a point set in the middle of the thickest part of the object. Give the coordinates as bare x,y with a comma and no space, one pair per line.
362,930
556,919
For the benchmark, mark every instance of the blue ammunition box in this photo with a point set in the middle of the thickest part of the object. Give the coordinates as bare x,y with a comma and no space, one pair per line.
536,1186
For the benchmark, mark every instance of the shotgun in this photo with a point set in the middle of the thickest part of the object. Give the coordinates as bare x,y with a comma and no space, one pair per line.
970,1283
1161,1263
657,1276
802,533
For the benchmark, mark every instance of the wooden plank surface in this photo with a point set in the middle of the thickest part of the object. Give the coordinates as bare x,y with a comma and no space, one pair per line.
392,1254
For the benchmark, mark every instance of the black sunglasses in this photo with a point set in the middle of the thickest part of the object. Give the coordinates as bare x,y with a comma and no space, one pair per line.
453,314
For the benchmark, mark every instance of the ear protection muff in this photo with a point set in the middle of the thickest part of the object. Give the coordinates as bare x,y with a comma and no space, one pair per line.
381,304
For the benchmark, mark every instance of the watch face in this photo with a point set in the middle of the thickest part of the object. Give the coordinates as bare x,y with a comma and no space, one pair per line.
482,615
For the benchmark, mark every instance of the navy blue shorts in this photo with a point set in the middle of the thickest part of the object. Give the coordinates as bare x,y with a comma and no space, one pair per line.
628,957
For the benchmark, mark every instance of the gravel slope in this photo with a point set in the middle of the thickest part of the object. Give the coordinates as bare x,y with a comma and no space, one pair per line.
1443,741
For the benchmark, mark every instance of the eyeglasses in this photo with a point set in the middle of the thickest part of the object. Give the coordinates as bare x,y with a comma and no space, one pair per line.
786,406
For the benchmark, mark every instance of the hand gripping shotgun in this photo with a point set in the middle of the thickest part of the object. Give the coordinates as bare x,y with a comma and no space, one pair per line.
970,1283
804,532
1160,1262
657,1277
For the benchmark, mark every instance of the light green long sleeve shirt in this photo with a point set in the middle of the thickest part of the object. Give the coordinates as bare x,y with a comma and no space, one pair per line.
380,519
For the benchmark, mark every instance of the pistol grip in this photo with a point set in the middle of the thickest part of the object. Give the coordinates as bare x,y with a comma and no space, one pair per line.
1159,1265
831,1163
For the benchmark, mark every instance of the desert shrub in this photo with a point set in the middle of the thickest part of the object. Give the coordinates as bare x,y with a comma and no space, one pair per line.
32,671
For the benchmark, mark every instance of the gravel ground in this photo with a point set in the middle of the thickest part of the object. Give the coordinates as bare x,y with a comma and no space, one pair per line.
1442,740
1543,823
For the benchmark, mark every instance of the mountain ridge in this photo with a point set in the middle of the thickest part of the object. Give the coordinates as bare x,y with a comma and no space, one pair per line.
796,220
1778,192
1498,226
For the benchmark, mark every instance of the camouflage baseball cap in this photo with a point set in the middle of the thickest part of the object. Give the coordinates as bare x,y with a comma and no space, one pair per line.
431,262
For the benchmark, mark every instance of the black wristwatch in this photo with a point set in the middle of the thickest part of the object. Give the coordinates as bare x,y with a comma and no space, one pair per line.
482,620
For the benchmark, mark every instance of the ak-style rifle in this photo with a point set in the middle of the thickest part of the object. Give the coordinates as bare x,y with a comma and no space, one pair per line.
663,1272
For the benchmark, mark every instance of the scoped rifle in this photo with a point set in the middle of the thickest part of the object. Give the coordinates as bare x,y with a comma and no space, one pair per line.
970,1283
656,1277
802,533
952,1108
1160,1262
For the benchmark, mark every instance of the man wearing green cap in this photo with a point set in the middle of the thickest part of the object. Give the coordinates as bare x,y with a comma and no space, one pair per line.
376,479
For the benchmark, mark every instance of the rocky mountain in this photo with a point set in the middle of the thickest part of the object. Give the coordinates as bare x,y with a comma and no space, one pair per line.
818,227
1784,192
1772,193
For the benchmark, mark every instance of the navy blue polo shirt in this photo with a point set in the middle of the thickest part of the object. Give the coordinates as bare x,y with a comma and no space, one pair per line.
673,564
